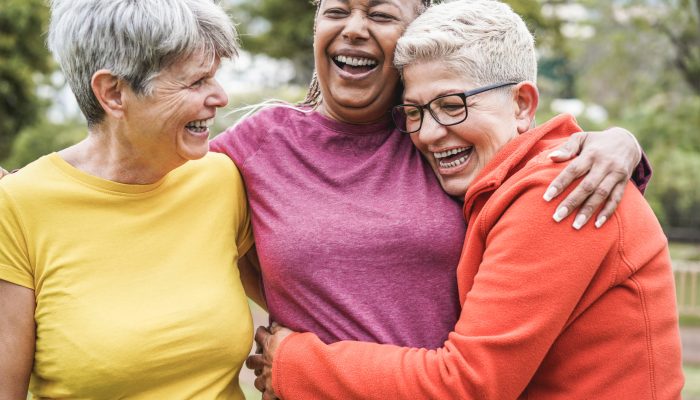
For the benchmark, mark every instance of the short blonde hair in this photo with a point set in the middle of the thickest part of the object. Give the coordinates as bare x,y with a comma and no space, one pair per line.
483,39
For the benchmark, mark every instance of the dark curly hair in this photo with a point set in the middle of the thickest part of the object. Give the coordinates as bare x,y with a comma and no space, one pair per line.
313,95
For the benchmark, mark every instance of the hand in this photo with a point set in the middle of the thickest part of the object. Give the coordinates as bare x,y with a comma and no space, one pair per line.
3,172
268,341
609,158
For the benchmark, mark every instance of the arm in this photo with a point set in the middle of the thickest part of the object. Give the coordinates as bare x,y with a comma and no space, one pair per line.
249,267
17,335
509,321
609,159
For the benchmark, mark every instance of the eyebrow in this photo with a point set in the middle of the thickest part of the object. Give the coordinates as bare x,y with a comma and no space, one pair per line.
372,3
441,93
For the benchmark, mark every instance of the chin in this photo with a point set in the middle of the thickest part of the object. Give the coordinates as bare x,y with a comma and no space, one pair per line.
453,189
456,187
194,153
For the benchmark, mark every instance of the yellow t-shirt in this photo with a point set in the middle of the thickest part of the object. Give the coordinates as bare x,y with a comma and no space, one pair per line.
137,290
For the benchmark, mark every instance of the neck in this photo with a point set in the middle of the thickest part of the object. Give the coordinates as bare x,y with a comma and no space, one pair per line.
108,155
356,116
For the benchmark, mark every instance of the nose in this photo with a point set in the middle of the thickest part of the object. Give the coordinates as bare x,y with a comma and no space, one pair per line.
217,97
431,131
356,26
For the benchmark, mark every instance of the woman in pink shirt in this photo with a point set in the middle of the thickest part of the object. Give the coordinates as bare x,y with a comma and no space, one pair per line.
547,311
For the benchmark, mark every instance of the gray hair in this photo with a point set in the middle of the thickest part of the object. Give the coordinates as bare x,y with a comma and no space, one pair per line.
134,39
483,39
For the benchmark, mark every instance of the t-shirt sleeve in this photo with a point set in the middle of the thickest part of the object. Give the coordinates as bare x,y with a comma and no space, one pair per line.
241,141
244,234
14,260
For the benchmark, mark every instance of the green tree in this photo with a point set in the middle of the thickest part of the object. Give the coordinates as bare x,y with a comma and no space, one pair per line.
23,58
682,27
42,138
280,29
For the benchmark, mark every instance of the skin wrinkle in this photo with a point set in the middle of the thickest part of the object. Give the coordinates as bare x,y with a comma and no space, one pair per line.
352,27
158,48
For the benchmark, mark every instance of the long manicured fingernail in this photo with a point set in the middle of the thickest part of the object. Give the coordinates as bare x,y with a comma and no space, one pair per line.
600,221
560,214
579,221
556,153
550,193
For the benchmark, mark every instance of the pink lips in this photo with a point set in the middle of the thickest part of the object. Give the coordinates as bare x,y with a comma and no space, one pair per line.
202,135
353,75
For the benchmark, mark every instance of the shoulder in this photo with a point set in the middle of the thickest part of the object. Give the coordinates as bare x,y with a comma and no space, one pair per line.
258,125
245,138
213,166
29,179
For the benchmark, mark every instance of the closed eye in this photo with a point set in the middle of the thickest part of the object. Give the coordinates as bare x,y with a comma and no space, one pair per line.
198,83
382,17
335,13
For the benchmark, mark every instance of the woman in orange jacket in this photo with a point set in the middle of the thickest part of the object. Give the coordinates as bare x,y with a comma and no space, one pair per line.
547,311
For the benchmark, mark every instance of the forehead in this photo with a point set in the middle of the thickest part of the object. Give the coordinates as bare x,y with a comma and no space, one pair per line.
197,64
426,80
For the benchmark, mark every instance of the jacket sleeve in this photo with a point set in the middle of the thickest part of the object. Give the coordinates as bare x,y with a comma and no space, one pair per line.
531,277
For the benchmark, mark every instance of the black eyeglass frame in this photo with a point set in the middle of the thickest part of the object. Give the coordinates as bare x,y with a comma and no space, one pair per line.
426,106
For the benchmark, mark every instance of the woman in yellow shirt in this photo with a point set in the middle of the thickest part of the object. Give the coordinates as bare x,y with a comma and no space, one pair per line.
118,274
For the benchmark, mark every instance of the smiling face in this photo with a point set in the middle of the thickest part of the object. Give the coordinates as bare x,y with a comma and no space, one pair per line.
459,152
353,49
172,124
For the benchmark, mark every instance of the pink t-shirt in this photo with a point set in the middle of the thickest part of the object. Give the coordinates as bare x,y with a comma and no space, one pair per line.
356,238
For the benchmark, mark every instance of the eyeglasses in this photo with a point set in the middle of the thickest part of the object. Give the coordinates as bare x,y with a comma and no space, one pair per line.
447,110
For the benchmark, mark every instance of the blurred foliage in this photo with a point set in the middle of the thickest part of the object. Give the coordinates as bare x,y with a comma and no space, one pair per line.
23,58
682,27
280,29
667,126
43,138
631,67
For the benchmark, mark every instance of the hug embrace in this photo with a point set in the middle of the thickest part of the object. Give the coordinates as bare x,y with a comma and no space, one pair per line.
394,226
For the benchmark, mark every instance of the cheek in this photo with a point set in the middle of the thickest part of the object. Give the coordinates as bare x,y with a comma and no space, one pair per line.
389,46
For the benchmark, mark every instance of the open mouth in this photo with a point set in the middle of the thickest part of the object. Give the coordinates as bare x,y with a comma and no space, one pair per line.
200,126
355,65
453,157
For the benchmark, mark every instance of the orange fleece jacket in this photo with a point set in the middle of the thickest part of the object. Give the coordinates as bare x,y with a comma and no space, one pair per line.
548,312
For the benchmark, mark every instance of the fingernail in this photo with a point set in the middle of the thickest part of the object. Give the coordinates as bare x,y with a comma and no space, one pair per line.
560,214
550,193
600,221
579,221
556,153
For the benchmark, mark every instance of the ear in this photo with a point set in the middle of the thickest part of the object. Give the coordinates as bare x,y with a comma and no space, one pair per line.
109,91
527,98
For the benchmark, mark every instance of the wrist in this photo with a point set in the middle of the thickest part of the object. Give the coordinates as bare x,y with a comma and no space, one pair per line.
636,142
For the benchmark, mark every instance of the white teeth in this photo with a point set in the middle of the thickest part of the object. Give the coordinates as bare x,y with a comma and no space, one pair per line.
442,154
455,163
201,124
355,61
447,153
